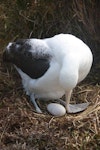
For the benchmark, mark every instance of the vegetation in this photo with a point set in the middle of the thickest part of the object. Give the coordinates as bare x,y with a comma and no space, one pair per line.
20,127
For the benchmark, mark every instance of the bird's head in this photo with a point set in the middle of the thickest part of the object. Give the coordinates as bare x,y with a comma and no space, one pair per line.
16,51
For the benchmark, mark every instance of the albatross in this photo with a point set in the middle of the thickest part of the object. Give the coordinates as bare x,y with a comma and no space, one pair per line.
51,67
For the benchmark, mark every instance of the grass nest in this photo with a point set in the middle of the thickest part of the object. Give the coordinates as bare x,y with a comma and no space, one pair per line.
21,128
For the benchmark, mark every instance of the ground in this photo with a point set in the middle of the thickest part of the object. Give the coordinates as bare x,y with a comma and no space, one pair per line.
21,128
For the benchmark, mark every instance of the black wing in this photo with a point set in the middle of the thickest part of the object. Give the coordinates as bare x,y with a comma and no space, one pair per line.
35,68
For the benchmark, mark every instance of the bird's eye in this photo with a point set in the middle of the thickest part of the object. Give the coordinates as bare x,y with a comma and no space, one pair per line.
29,54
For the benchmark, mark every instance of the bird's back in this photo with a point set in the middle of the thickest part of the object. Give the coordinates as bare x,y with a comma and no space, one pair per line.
74,50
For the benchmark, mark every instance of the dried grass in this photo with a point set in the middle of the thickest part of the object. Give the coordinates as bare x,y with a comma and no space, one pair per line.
21,128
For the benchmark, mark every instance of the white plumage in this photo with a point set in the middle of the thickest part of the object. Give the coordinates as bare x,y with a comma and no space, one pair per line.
67,60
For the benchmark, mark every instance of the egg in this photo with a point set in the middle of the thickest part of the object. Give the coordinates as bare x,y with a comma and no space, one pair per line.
56,109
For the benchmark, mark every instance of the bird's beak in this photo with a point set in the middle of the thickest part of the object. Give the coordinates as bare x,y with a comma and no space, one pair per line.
5,55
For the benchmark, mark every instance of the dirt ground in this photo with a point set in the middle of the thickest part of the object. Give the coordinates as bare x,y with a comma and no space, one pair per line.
23,129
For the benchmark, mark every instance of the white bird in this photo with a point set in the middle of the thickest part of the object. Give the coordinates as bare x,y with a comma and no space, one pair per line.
51,67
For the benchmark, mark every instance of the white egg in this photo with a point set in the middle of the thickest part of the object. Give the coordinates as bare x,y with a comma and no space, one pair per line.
56,109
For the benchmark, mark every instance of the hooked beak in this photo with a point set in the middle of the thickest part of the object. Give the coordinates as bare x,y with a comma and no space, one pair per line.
7,54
